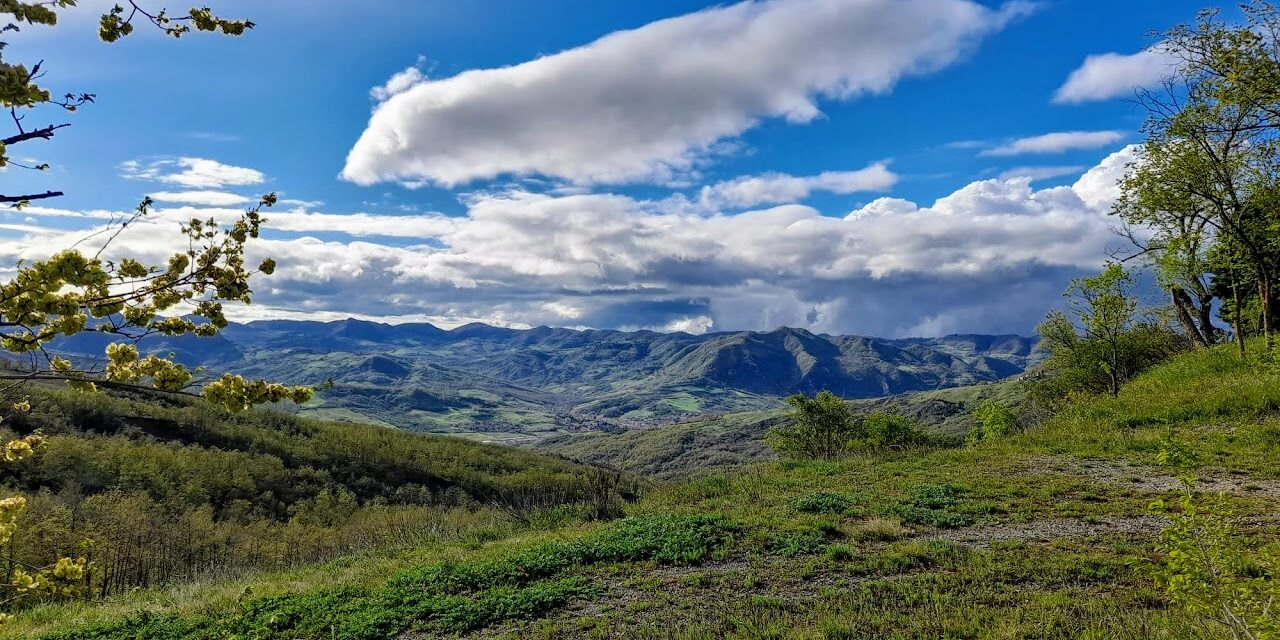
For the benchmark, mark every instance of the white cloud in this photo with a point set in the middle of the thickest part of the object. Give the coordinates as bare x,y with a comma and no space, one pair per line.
651,103
775,188
563,310
1057,142
196,173
697,325
965,144
418,226
398,83
1112,75
207,198
990,257
214,136
1041,172
1099,187
305,204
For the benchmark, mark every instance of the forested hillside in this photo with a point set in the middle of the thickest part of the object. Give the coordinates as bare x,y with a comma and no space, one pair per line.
501,384
155,490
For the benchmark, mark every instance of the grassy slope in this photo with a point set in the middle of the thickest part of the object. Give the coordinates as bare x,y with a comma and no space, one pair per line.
1044,545
677,450
369,460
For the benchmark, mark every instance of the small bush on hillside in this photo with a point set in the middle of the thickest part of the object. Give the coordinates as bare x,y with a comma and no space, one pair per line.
821,427
1210,570
995,420
1105,341
808,541
878,530
839,552
891,430
934,496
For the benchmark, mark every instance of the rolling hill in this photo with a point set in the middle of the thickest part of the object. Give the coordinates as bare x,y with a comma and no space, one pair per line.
717,442
501,384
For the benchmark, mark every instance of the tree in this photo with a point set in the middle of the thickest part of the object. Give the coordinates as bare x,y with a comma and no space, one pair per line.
1105,341
1211,571
824,427
20,93
820,427
1107,309
75,291
1209,166
1177,249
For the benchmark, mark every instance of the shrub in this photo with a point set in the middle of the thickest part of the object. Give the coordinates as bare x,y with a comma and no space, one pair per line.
824,427
934,496
878,530
820,427
801,543
1210,571
891,430
1078,364
839,552
995,420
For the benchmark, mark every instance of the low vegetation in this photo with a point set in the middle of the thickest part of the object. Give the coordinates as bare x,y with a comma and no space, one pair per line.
153,492
1044,533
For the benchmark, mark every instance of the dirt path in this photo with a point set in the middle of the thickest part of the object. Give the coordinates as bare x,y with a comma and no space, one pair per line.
1049,529
1148,478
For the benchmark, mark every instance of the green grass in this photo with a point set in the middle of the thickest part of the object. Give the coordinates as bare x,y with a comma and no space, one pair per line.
858,548
447,596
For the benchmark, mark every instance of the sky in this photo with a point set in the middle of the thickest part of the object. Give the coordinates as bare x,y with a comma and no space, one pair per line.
875,167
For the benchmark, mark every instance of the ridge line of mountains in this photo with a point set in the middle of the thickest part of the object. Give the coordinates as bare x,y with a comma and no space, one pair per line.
496,383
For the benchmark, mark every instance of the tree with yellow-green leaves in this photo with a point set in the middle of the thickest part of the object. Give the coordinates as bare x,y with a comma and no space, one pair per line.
1206,180
77,290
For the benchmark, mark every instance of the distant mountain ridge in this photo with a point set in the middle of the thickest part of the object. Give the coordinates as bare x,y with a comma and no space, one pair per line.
513,383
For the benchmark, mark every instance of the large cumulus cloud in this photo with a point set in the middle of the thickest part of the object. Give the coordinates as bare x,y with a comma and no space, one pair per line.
647,104
992,256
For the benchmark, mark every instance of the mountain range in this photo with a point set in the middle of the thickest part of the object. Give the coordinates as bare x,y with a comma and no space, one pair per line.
496,383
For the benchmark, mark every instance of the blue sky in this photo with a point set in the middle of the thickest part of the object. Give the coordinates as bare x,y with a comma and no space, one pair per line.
726,168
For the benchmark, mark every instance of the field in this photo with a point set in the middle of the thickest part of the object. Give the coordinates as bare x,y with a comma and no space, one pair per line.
1047,534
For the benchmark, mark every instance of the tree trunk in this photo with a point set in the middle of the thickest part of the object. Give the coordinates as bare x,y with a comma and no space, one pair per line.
1113,369
1264,297
1206,320
1235,298
1181,305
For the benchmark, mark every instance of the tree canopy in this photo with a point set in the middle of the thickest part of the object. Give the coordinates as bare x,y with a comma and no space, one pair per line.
96,288
1204,190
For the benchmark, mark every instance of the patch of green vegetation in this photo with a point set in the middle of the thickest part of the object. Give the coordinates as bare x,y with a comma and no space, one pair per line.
684,402
932,505
157,485
449,597
824,502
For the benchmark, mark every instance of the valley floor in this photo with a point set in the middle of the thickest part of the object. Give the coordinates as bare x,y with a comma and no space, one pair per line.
1048,534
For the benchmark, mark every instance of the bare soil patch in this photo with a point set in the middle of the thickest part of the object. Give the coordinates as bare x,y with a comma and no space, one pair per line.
1148,478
